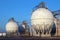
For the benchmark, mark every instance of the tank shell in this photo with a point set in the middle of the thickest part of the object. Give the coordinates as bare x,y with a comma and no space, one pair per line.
41,17
0,34
4,34
11,27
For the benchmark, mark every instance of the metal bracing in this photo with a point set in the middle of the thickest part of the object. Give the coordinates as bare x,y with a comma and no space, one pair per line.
40,5
55,13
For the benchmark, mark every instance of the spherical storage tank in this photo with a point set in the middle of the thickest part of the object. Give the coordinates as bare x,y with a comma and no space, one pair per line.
41,19
11,26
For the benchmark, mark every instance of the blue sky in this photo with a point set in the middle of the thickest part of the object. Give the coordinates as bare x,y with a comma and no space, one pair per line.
21,9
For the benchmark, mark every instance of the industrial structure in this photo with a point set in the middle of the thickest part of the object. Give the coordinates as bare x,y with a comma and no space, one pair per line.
11,27
44,23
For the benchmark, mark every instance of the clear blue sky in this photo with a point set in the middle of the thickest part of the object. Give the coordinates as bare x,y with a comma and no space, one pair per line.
21,9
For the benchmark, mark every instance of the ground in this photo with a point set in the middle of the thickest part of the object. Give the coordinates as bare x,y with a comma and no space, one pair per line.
29,38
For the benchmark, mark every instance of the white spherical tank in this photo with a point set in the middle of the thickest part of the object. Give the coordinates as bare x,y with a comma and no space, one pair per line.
42,19
11,27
